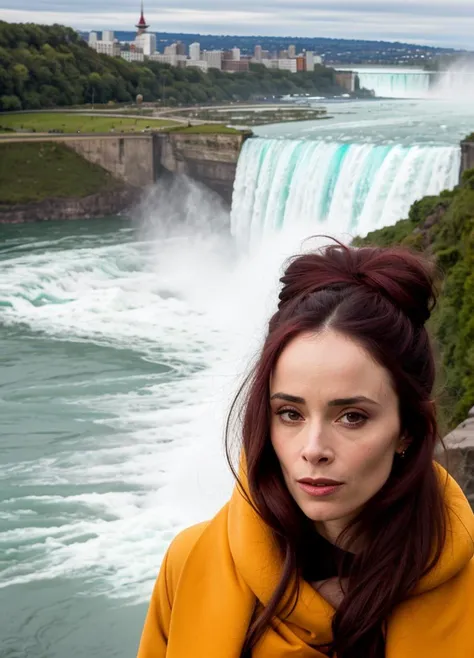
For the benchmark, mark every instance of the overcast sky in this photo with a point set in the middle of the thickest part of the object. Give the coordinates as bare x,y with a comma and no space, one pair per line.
433,22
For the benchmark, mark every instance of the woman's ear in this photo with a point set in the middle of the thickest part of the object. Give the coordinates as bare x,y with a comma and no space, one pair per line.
403,444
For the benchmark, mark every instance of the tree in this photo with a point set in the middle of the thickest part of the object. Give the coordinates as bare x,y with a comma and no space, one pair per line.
10,103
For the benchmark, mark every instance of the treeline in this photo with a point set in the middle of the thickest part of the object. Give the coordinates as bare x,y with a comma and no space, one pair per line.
443,227
51,66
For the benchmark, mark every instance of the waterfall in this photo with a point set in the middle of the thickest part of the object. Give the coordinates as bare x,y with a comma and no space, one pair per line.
394,82
311,187
396,85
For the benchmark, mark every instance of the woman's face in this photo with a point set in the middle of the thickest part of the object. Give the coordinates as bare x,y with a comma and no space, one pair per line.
334,416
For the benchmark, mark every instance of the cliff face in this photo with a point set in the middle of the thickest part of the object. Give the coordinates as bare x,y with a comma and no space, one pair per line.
460,455
96,205
467,156
208,158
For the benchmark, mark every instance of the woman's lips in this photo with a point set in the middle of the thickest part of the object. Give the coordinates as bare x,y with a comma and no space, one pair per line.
317,490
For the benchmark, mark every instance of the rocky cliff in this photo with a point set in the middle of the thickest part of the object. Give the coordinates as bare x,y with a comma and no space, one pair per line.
209,158
460,455
96,205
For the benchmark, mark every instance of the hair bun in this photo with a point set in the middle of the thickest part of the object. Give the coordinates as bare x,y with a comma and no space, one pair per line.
398,274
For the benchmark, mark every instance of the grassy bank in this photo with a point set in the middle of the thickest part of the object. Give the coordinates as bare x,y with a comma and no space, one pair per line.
205,128
73,123
443,227
31,172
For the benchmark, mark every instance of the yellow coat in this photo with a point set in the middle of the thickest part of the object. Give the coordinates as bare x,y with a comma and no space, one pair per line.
214,573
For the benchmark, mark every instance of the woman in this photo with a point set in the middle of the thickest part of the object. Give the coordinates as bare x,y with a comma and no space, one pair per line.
343,537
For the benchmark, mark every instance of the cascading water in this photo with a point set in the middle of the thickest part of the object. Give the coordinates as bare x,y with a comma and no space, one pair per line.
328,187
396,84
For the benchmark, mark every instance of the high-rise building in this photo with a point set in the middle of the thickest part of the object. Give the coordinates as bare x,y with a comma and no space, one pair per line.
309,60
171,50
146,42
180,48
236,54
291,52
213,58
105,46
195,52
258,53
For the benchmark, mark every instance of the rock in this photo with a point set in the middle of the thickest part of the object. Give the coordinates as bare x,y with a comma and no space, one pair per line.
460,456
471,413
97,205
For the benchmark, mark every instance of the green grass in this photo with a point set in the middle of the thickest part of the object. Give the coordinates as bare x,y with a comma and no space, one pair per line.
205,128
31,172
72,123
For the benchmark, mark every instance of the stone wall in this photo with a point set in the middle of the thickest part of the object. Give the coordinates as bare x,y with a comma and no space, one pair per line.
129,158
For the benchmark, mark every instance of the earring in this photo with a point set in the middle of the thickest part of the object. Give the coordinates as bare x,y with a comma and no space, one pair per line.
402,454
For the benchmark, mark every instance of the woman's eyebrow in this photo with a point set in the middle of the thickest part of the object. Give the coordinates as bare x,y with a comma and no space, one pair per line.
339,402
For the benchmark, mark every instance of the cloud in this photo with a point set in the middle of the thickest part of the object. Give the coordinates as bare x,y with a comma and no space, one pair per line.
433,22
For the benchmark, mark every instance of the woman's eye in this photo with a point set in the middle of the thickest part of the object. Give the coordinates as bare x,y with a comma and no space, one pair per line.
289,415
354,418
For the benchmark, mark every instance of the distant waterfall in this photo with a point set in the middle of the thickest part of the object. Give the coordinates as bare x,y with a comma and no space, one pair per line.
394,83
333,187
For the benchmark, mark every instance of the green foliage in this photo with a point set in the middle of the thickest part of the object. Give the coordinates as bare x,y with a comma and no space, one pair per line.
49,66
443,227
35,171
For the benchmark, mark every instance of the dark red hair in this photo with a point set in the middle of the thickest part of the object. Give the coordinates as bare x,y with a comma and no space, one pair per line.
380,298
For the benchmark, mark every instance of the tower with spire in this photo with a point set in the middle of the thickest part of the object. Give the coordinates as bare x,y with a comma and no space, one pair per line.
142,26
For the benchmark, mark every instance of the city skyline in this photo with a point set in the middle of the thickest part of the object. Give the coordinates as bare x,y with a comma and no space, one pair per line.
424,22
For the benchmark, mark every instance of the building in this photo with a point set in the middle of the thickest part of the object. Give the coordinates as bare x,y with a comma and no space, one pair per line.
257,54
213,58
180,48
108,35
195,52
110,46
142,26
300,63
235,66
172,60
198,64
146,42
270,63
236,54
287,65
309,57
132,56
171,50
292,52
